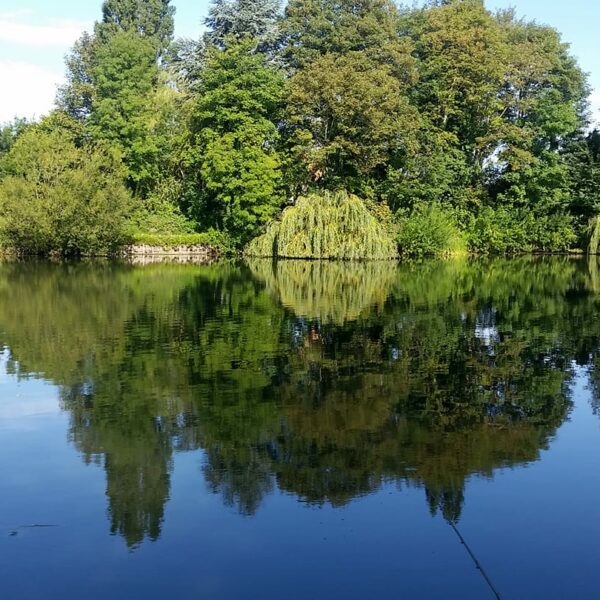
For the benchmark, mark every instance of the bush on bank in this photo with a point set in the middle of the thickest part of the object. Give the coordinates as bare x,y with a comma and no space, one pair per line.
430,230
56,197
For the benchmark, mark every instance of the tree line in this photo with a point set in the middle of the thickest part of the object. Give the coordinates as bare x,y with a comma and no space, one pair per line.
451,127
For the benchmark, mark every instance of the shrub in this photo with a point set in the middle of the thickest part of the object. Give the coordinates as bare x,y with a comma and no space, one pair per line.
216,239
430,229
497,231
160,213
326,225
509,230
58,197
553,233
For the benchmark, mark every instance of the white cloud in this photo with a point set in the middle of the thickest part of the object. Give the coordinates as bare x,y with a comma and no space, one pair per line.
53,33
28,90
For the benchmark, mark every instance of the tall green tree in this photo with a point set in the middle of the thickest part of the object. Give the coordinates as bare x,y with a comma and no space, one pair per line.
125,78
238,18
460,55
113,83
348,111
349,119
151,19
234,158
544,104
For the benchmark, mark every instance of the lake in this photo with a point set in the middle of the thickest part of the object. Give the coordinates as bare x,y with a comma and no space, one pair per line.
300,430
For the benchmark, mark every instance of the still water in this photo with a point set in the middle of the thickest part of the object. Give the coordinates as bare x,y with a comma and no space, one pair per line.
300,430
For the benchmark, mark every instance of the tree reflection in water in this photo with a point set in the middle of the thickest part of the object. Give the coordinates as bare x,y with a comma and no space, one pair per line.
325,380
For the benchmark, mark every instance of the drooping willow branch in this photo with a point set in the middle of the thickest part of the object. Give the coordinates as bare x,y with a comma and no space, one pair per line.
329,225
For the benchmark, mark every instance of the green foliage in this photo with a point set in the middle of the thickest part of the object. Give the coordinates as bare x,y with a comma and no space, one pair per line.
504,230
257,19
58,197
75,97
114,85
594,235
185,64
383,215
332,27
582,157
125,77
434,230
9,134
215,239
439,173
444,105
234,152
151,19
462,67
349,117
158,215
348,111
544,106
325,226
430,230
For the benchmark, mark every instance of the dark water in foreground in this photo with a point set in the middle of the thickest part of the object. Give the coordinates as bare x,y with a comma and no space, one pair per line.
304,431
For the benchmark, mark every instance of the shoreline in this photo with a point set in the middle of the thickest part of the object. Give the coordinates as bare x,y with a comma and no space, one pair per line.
201,253
143,253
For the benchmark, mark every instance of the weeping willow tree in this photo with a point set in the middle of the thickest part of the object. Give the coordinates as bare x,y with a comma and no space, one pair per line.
328,225
331,292
594,234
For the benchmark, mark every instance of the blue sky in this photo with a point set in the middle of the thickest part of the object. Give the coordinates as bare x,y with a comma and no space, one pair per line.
36,34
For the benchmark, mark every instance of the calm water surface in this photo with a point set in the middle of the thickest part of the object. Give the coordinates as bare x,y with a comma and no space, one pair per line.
300,430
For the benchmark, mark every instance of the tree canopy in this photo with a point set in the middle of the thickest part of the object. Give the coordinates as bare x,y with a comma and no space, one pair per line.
447,110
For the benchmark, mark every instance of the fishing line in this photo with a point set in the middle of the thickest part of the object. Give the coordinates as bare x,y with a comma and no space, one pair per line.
478,565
